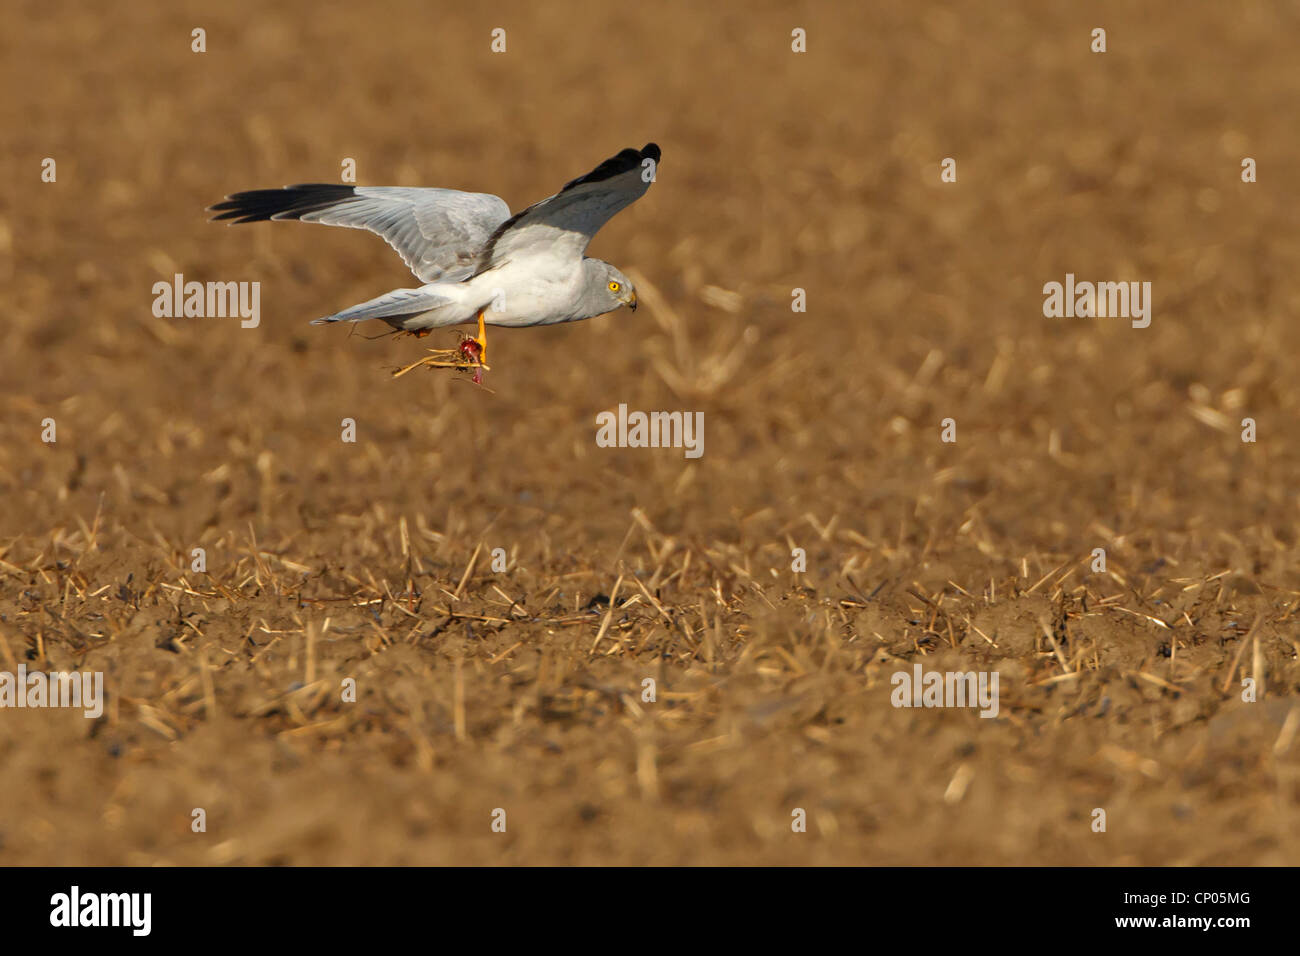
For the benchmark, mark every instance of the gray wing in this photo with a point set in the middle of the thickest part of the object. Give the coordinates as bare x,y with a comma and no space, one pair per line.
439,233
561,227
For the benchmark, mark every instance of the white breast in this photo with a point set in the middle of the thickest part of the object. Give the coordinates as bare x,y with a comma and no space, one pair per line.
523,294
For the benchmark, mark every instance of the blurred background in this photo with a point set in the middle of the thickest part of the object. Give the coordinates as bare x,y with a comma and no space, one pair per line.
521,689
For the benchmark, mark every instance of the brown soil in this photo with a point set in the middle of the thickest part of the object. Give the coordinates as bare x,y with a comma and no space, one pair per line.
518,690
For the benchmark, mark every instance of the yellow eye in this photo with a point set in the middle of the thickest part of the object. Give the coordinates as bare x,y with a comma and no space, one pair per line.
614,287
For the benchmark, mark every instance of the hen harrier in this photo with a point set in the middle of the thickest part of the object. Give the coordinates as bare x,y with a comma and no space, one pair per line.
477,260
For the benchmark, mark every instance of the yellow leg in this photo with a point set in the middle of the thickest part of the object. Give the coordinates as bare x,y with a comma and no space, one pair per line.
482,338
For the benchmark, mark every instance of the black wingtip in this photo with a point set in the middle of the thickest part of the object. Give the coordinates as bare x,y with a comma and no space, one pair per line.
291,202
626,160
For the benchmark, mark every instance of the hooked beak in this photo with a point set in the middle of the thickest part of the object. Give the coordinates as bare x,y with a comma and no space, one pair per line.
631,300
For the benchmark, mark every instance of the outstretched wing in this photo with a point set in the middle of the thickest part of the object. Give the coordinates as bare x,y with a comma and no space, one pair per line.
560,227
439,233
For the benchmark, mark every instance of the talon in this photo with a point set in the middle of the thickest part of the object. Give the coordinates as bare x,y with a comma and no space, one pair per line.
472,350
471,353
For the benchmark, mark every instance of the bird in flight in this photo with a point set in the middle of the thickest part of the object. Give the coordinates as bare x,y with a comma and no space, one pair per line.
476,260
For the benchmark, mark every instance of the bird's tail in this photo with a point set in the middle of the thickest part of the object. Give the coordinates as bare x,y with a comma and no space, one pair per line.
404,308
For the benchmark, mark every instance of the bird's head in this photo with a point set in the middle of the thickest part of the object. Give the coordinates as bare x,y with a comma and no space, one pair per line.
615,287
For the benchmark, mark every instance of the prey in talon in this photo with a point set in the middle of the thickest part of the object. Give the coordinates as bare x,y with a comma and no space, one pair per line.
466,356
478,263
